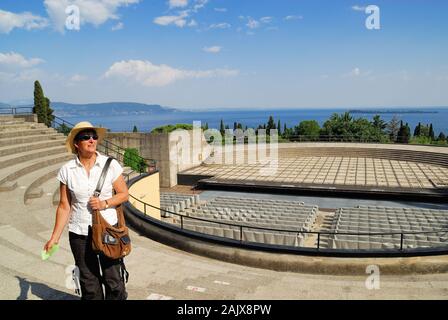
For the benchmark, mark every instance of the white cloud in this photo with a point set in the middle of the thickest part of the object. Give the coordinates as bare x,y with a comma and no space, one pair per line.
94,12
356,72
293,17
118,26
25,20
223,25
178,3
78,78
180,18
192,23
150,75
16,60
199,5
179,21
252,23
359,8
266,19
214,49
221,9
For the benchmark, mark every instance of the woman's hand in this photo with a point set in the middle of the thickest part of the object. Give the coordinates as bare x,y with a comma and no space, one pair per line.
49,244
97,204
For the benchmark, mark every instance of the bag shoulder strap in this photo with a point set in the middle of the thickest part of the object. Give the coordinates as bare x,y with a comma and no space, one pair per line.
100,184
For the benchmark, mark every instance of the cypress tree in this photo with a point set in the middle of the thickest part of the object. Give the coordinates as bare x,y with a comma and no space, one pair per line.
271,124
407,133
222,128
48,112
39,103
441,137
279,127
403,134
418,130
431,132
135,129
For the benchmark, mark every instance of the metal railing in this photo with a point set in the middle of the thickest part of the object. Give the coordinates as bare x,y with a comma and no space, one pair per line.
110,149
16,110
297,233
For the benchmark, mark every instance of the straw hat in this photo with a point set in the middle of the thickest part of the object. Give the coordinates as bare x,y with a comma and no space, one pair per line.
81,126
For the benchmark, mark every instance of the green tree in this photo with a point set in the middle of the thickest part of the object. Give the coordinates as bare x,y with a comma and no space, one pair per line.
308,128
441,137
39,103
222,128
392,128
132,159
135,129
63,128
418,130
271,124
379,123
404,134
431,132
49,112
170,128
279,127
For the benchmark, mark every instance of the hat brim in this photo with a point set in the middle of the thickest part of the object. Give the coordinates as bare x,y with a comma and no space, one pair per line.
70,142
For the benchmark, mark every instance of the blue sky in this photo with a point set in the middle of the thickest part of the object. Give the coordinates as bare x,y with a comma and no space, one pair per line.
227,53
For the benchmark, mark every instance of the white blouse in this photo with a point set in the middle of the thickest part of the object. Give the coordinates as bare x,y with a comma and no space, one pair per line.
82,187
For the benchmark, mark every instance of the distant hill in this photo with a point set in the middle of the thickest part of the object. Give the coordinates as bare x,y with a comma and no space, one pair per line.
63,109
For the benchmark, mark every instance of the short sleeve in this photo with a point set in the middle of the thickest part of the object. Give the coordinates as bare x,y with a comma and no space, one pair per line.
62,175
116,170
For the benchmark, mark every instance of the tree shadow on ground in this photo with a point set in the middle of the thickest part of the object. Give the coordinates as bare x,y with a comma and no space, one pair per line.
42,291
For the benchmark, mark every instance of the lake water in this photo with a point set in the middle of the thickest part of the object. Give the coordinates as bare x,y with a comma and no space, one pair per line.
252,118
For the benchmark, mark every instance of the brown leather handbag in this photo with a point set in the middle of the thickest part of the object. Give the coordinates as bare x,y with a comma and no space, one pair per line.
111,241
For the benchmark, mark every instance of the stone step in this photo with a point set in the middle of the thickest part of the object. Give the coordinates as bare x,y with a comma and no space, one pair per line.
9,150
10,120
48,275
21,126
49,188
34,246
22,169
30,132
35,189
16,158
30,139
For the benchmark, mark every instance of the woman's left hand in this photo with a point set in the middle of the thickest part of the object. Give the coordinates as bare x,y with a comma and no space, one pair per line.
96,204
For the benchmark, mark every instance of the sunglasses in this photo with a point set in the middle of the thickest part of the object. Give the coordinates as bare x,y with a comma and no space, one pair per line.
86,137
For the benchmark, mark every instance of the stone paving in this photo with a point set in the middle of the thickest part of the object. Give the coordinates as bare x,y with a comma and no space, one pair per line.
333,171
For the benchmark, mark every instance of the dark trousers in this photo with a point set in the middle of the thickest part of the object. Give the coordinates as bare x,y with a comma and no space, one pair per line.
90,277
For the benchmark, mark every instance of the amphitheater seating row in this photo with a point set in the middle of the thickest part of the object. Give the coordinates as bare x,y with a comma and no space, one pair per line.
248,235
177,203
252,214
422,228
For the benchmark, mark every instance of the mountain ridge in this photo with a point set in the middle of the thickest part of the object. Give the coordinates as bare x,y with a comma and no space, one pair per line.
105,108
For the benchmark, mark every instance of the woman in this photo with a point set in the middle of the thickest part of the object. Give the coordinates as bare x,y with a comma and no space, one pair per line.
78,179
